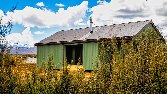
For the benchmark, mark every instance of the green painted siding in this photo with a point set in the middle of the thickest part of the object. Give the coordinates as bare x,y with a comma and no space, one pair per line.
58,52
90,53
46,51
41,56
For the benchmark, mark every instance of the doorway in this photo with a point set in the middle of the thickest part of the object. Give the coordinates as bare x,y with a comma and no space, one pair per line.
74,54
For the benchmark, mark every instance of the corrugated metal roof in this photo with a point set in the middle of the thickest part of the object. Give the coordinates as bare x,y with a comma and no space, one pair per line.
119,30
115,30
68,35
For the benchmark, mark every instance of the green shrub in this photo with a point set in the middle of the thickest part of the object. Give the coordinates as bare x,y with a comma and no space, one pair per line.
138,66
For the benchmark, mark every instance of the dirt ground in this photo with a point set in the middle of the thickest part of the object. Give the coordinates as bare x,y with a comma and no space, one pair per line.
29,68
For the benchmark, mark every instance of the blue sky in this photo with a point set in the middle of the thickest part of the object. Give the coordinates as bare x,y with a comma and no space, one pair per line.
5,5
35,20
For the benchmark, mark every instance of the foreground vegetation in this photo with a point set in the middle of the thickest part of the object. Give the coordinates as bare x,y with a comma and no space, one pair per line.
137,67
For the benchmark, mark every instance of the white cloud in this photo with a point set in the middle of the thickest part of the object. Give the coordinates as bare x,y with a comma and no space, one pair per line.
1,13
23,38
34,17
59,5
101,2
5,19
117,11
79,22
39,32
40,4
122,11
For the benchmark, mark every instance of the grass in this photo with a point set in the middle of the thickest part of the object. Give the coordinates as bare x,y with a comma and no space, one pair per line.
23,69
136,68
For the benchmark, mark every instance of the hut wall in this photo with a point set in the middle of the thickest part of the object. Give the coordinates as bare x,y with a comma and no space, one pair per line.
90,53
56,52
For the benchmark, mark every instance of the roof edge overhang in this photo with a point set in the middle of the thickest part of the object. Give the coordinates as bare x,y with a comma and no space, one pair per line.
78,41
51,43
66,42
39,44
81,41
91,40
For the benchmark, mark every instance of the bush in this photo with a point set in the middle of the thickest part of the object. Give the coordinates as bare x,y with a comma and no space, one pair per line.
138,66
143,69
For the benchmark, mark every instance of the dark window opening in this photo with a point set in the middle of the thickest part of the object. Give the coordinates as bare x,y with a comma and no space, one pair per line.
69,53
74,54
78,53
118,46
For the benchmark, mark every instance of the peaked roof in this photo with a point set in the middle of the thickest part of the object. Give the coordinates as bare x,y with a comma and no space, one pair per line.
106,31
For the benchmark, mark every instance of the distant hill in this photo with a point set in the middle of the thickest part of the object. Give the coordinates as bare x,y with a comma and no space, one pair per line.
23,50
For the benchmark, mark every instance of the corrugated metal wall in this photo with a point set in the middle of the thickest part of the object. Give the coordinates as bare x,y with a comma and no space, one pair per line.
90,53
46,51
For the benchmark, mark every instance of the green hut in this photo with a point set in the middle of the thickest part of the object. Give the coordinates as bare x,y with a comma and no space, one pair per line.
82,43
